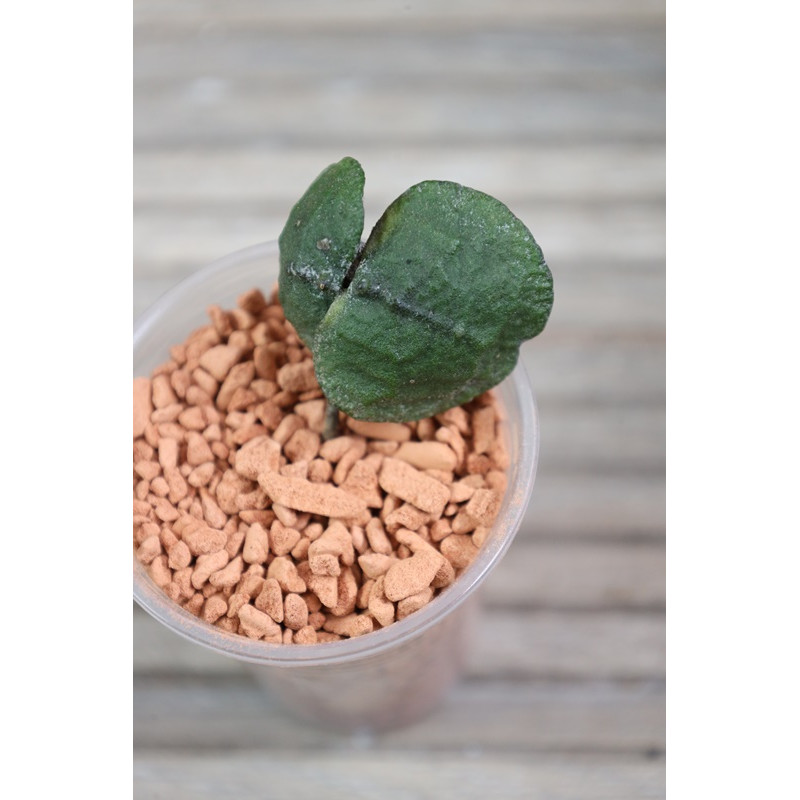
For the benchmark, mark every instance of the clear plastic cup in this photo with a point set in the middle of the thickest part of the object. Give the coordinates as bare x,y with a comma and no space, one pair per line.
392,676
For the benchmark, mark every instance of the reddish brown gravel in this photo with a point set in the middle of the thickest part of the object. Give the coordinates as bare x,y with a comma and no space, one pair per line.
248,519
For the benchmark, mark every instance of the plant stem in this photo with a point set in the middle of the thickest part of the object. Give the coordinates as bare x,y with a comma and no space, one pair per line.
331,429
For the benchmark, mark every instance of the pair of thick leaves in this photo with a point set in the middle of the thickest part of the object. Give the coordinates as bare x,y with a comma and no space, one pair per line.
429,313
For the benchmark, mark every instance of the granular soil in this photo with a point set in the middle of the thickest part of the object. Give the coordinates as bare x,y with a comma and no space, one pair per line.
246,517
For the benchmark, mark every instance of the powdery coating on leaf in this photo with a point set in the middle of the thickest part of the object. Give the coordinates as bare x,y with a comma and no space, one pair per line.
446,288
429,313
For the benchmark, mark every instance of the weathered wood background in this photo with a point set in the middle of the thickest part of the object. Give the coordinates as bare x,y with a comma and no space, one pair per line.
557,108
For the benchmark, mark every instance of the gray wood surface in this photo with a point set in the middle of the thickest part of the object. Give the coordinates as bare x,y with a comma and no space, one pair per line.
556,108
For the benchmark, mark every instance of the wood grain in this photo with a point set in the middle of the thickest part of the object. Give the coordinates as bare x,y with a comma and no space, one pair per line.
239,115
513,645
231,713
268,178
348,15
557,108
470,775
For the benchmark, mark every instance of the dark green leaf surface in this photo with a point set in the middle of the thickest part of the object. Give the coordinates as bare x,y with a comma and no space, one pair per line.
447,287
318,244
429,314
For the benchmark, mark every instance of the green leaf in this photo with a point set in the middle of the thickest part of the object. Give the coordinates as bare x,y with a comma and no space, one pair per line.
318,244
446,288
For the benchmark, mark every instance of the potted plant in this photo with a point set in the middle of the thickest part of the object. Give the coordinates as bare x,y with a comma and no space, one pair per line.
333,466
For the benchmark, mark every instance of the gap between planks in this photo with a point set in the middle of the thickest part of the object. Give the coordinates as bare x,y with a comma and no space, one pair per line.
484,60
243,118
208,715
564,645
472,774
352,15
260,177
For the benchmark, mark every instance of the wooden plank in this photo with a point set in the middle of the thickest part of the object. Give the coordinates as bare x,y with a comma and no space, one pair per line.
568,645
348,115
603,246
583,576
572,502
473,775
196,714
347,15
523,645
624,440
484,59
598,371
270,179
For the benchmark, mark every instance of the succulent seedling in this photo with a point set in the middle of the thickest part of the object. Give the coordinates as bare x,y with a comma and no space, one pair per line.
425,315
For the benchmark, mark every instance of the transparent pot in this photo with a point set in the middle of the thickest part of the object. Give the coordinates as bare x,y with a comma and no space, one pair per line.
386,678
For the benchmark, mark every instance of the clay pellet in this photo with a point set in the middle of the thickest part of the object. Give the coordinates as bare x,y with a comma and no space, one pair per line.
391,431
258,625
179,556
239,377
404,481
229,575
206,565
483,506
346,593
160,571
333,449
142,405
217,361
411,575
203,540
355,452
335,540
459,550
350,625
379,606
306,635
315,498
373,565
414,603
322,564
377,538
149,549
270,600
427,455
282,539
325,587
362,481
444,576
214,607
406,516
285,573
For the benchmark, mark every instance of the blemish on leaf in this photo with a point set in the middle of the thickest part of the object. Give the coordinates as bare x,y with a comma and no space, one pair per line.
426,314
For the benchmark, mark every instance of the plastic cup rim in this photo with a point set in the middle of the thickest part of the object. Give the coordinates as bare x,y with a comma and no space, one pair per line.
155,602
